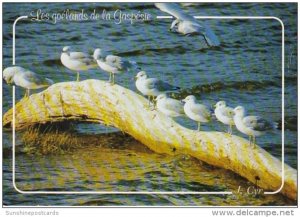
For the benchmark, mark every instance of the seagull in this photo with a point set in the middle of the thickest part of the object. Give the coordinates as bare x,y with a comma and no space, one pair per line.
188,25
25,78
112,64
76,61
152,87
251,125
225,114
168,106
195,111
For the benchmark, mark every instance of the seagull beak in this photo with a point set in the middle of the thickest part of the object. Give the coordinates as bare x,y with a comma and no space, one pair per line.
215,106
4,81
172,29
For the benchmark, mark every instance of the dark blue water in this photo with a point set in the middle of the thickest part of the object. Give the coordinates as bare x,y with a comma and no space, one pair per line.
245,70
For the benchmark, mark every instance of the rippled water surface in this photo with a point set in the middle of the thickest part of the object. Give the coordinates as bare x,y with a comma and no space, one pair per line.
245,70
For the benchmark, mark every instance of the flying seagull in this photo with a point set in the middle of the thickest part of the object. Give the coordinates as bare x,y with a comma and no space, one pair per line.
187,24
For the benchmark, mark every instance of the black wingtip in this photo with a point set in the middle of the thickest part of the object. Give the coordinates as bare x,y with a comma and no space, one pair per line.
276,125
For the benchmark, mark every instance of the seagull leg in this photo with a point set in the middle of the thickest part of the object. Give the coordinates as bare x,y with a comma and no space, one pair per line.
77,77
230,129
250,140
149,101
253,141
227,130
113,78
109,80
153,102
198,126
27,93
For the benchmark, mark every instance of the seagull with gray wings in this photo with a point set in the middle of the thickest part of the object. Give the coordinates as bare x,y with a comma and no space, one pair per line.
251,125
76,61
168,106
152,87
188,25
113,64
224,114
25,78
196,111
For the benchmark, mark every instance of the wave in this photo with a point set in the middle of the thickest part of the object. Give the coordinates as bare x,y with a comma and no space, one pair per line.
290,123
143,6
113,7
289,79
52,62
168,50
221,86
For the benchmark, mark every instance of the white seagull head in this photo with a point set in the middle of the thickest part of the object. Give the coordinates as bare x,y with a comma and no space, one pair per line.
161,97
220,104
239,110
99,54
66,49
189,98
141,75
9,73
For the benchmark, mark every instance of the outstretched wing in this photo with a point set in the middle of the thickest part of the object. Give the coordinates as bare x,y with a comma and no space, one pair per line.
191,25
257,123
174,10
210,37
